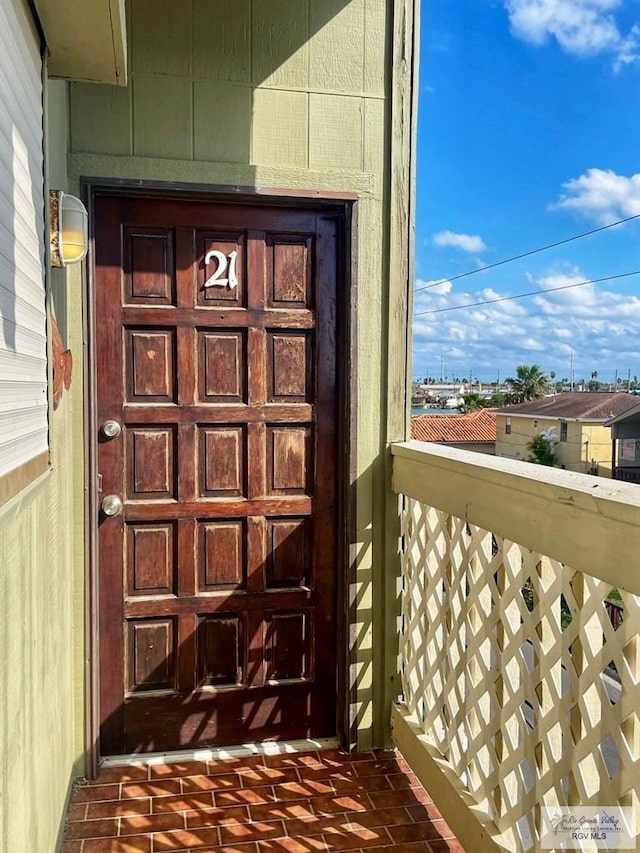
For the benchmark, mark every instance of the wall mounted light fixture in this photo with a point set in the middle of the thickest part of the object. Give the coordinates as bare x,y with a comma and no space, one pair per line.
69,232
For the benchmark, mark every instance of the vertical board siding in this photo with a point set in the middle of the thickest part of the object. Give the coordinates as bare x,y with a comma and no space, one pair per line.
110,126
264,56
281,128
280,48
222,40
36,712
160,38
337,49
335,132
163,117
289,94
231,109
375,46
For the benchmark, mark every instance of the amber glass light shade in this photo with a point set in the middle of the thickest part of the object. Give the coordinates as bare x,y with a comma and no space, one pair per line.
69,232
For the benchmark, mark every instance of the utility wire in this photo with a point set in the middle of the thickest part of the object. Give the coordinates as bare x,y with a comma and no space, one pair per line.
523,295
527,254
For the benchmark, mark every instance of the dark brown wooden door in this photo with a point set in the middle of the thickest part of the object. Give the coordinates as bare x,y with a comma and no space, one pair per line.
217,579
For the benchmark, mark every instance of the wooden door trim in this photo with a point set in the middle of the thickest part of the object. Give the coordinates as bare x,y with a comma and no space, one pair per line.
124,187
344,205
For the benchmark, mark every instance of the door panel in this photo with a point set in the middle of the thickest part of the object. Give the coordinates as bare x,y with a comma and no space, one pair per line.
216,351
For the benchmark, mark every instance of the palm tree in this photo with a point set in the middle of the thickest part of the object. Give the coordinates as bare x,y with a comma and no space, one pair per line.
473,401
530,383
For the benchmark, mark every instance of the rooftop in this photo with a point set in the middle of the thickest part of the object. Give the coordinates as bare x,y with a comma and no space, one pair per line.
579,405
470,426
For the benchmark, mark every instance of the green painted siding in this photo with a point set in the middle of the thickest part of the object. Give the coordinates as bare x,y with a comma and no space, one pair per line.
293,95
298,73
41,596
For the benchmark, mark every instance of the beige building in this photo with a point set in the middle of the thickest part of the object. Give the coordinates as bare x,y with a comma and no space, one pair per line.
576,420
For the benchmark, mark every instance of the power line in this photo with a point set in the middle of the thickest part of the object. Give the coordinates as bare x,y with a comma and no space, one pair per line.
527,254
523,295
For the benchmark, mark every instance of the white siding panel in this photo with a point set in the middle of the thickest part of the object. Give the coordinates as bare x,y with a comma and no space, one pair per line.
23,343
16,426
26,370
29,291
21,392
17,53
25,316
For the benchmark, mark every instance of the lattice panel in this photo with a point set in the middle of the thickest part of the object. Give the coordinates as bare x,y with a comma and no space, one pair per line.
523,673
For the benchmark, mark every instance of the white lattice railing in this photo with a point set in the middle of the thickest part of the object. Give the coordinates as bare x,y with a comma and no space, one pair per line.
518,691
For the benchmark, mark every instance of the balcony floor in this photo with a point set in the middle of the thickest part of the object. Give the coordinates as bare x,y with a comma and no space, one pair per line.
313,802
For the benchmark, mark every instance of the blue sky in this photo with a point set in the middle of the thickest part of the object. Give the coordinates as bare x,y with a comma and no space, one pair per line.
529,133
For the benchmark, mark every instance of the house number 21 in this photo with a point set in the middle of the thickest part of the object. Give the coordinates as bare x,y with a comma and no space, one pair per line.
224,262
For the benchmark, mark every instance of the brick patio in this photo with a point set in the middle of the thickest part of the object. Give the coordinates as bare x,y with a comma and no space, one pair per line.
287,803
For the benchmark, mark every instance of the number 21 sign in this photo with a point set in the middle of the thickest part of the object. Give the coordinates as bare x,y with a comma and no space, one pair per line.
218,279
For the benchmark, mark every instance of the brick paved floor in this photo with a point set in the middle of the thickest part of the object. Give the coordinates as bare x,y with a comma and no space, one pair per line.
314,802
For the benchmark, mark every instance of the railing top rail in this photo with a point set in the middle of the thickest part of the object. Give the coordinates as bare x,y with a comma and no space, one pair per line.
590,523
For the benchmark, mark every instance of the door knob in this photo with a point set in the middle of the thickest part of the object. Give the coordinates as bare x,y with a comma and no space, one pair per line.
111,505
111,429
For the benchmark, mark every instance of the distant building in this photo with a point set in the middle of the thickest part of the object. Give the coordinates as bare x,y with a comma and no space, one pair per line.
578,420
625,445
469,431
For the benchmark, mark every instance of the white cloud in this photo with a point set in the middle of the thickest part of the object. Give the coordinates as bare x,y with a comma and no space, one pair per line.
532,344
465,242
594,326
555,280
602,195
581,27
438,286
585,302
490,293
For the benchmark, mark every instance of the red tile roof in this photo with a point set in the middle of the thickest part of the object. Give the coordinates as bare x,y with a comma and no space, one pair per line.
471,426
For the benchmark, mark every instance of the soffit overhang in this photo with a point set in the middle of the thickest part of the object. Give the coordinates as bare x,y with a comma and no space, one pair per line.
86,39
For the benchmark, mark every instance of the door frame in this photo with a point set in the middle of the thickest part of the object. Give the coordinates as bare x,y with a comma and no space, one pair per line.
345,208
